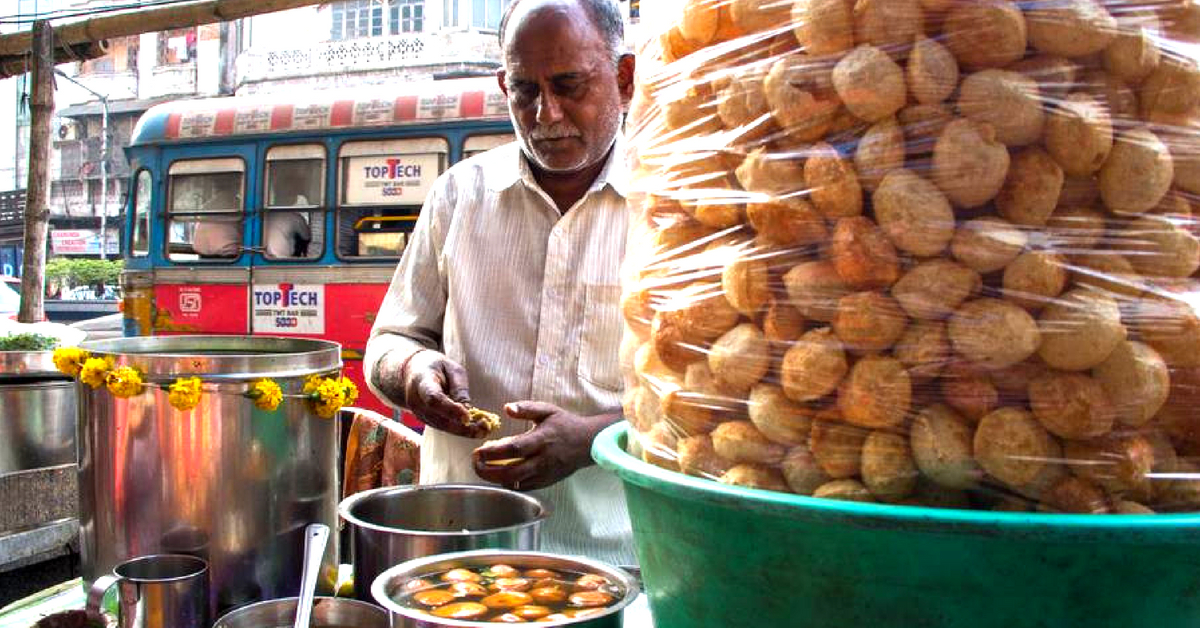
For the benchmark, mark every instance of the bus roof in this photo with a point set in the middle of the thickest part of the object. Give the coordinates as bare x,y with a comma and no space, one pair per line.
409,103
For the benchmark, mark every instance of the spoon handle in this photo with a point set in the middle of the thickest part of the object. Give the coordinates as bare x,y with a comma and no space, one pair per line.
315,537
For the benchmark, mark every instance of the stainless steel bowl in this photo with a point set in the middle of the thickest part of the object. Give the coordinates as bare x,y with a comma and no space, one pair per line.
389,583
327,612
395,524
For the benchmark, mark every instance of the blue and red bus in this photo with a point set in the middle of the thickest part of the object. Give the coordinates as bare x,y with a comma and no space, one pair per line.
286,215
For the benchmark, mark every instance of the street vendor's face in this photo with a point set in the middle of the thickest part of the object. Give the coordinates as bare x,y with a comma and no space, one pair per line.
563,86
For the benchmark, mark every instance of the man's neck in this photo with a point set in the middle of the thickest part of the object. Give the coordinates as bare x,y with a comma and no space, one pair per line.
566,188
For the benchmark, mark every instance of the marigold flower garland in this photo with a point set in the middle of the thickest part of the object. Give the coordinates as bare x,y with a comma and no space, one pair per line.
328,394
184,394
325,395
266,394
124,382
70,360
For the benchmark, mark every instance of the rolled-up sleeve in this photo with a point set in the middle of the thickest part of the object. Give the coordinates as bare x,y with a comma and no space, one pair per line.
410,317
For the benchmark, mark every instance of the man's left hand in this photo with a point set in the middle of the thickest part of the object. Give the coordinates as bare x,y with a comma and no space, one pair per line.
559,444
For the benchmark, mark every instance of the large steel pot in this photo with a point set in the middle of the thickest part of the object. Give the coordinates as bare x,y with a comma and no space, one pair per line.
390,585
327,612
395,524
38,408
225,481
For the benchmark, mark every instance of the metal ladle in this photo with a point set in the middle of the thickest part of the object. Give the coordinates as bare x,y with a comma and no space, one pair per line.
315,537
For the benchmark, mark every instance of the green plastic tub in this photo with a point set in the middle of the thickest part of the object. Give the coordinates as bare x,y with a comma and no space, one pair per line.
717,556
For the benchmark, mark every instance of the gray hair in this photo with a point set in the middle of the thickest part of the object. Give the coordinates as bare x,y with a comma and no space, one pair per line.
605,16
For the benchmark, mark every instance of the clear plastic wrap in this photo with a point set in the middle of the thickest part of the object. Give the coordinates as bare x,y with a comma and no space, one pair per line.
933,252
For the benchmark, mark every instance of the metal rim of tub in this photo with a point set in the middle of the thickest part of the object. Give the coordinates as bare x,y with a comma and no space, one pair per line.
221,358
347,506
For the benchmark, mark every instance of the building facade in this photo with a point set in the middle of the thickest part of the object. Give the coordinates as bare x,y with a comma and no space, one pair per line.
339,45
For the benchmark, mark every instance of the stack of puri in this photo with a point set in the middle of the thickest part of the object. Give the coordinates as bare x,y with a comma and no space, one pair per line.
930,252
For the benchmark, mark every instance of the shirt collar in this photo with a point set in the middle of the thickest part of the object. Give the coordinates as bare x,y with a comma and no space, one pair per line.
512,166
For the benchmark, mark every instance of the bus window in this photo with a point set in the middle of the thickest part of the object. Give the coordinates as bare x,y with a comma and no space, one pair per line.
382,186
205,209
293,218
479,143
142,195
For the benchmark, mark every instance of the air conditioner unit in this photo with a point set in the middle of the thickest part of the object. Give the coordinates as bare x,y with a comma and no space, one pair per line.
68,130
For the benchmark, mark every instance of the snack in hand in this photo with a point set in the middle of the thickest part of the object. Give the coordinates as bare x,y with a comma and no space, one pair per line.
489,421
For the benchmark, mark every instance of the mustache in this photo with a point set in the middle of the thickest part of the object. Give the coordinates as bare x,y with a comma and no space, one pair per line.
556,132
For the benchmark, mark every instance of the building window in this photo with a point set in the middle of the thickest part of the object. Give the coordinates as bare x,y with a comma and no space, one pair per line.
487,13
121,57
450,14
353,19
177,46
406,16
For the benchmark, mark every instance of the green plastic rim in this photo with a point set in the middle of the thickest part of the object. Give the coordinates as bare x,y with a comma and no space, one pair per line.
610,453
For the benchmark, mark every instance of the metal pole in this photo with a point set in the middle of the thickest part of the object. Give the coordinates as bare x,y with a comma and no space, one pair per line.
104,178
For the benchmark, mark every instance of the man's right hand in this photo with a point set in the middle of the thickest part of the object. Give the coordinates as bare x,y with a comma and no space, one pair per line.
435,389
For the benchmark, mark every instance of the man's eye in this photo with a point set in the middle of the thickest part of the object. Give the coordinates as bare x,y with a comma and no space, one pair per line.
524,93
568,88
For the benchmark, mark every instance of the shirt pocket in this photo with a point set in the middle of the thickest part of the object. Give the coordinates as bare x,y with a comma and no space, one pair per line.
600,336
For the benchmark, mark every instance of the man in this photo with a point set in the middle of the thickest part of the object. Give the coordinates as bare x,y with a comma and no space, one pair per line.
511,280
219,235
286,233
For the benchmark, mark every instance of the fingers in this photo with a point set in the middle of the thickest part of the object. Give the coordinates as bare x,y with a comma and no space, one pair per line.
509,460
456,382
536,411
522,446
524,475
440,411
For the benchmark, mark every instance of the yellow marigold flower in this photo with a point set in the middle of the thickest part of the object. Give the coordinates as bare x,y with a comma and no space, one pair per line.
266,394
70,360
311,383
124,382
327,396
351,391
184,394
95,371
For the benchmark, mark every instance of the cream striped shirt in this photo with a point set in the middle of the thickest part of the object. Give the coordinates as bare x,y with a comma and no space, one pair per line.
526,301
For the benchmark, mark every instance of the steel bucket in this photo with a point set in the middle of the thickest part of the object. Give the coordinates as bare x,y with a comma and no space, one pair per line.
328,612
395,524
226,482
37,404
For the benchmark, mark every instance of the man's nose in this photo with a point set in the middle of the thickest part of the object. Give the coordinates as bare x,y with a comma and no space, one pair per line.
549,109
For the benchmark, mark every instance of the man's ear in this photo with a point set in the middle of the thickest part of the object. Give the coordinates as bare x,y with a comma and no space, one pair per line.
500,74
625,73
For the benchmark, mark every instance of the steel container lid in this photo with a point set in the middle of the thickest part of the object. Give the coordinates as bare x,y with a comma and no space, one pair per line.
28,364
220,357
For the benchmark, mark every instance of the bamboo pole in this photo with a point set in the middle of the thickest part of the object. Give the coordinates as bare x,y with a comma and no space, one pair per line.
37,187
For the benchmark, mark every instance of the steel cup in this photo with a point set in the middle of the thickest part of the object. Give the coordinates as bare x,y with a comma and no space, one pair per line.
157,591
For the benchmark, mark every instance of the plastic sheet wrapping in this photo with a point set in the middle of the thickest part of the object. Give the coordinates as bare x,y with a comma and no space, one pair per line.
931,252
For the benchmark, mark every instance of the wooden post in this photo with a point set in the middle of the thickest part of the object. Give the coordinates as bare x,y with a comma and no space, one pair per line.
37,189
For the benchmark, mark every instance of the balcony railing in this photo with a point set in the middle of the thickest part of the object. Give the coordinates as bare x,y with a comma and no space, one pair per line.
171,79
358,55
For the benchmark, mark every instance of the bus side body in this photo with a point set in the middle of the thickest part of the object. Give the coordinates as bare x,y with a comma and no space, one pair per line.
293,234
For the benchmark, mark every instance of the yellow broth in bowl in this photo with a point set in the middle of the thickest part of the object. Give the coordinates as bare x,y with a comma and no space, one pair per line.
505,594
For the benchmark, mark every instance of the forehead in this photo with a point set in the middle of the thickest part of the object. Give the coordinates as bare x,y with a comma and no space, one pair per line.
552,39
